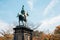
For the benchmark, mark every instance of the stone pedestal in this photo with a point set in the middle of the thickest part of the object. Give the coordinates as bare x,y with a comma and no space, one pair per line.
22,33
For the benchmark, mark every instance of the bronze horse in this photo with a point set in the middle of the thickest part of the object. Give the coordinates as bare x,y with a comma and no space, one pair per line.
22,18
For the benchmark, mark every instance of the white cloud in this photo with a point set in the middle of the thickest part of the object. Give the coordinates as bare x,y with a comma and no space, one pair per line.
50,24
51,21
30,3
50,6
5,27
3,24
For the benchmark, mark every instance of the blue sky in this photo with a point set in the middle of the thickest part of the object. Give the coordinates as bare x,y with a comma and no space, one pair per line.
46,12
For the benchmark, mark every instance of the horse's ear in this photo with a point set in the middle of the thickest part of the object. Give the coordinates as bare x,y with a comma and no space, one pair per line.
27,14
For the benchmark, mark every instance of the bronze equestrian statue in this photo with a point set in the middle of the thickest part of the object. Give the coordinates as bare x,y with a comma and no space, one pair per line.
22,16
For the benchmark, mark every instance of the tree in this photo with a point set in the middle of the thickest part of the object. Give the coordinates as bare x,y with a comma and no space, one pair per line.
56,35
57,30
6,35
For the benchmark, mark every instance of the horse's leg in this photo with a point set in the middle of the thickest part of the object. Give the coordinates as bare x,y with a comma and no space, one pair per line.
19,22
22,22
25,23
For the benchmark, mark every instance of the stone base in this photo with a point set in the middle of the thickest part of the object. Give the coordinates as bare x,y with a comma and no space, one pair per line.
22,33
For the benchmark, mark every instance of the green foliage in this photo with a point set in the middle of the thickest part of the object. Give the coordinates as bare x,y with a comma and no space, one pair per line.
45,39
